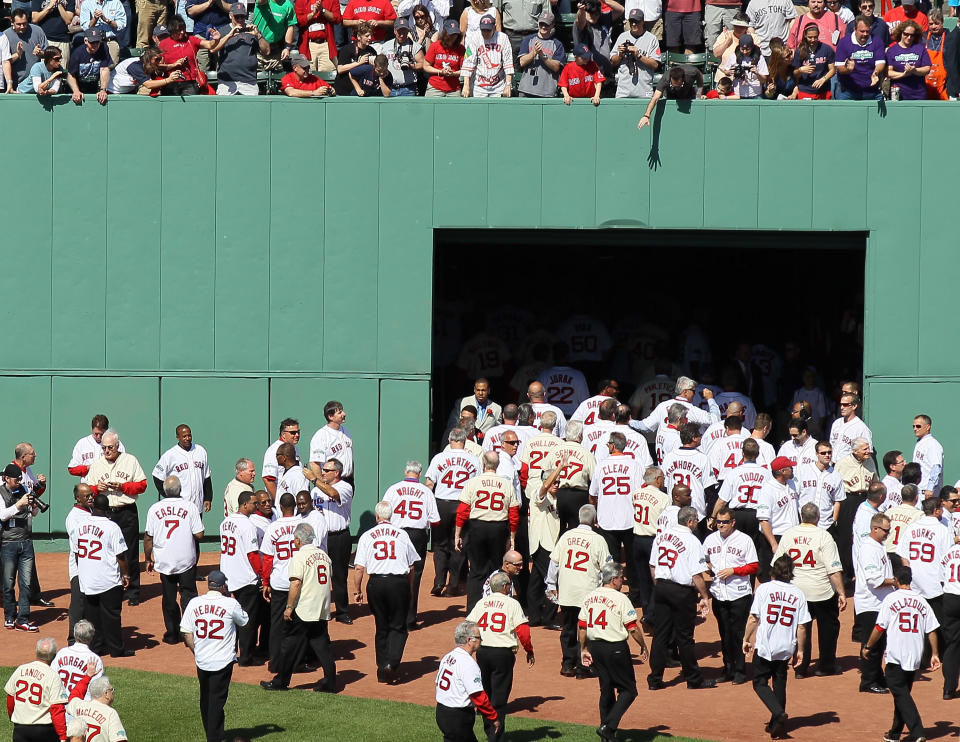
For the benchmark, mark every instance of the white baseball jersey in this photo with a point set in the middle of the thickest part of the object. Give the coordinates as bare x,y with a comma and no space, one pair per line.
497,616
213,619
577,473
727,454
261,524
843,434
74,517
815,558
293,481
736,550
34,688
608,615
872,567
668,439
893,487
125,470
564,387
579,554
97,541
906,618
84,452
315,520
538,456
780,608
951,570
71,665
923,546
271,469
800,455
613,484
901,518
488,62
190,467
413,504
540,407
103,721
777,503
636,447
238,538
328,443
742,486
172,523
595,436
586,412
492,438
677,555
587,338
861,526
336,513
508,468
929,454
710,437
823,487
278,543
385,550
450,470
690,467
749,415
648,395
648,504
658,417
668,518
767,453
458,678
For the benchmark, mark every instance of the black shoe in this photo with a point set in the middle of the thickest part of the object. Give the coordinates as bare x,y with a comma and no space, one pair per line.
949,695
413,626
553,627
123,653
455,591
272,685
725,678
776,725
170,640
42,602
827,673
656,685
799,674
133,602
740,679
437,592
702,684
874,689
343,618
586,672
606,733
320,688
568,672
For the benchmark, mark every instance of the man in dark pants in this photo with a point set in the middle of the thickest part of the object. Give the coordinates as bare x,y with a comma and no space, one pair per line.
276,550
678,562
606,620
874,580
648,503
502,628
334,497
213,648
307,613
950,628
544,527
240,562
83,496
905,617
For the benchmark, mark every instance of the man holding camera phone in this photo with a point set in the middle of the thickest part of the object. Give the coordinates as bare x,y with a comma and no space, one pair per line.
238,44
16,553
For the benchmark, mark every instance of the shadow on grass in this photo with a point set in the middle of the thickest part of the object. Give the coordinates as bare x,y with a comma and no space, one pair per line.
531,735
530,703
250,733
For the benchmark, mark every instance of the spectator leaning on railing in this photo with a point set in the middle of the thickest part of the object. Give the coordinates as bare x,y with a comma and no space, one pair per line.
353,54
683,82
581,78
301,82
541,59
141,75
89,70
47,76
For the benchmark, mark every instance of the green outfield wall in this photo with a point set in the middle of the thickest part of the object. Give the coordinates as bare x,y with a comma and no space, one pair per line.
227,263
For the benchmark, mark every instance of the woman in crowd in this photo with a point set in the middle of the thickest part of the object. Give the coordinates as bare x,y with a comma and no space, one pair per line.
781,84
813,66
746,68
908,63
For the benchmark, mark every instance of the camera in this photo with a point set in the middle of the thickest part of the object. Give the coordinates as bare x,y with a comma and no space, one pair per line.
404,58
739,72
36,502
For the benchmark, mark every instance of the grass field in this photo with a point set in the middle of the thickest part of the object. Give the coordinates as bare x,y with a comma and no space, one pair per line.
164,707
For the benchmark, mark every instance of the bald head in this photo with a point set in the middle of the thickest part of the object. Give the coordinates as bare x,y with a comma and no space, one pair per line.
681,495
512,557
535,392
171,487
735,408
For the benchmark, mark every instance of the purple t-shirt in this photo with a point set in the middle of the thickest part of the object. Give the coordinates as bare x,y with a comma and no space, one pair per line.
864,58
912,87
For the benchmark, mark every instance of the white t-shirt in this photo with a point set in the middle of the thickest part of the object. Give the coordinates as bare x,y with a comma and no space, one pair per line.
677,555
385,550
780,608
238,538
270,468
336,513
488,62
278,543
328,443
737,550
689,467
172,523
450,470
96,542
213,619
613,484
413,504
742,486
923,546
74,517
825,488
871,568
843,434
907,618
777,503
458,678
71,665
190,467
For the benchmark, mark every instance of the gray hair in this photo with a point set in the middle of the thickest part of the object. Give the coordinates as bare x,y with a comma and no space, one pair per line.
242,464
464,632
676,412
652,474
99,686
810,513
686,515
618,441
548,420
383,510
46,649
499,581
83,631
171,486
305,533
910,493
111,433
609,572
859,443
588,515
573,432
413,467
491,460
684,383
457,435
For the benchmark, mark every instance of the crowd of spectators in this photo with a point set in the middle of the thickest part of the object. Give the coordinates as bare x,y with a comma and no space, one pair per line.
773,49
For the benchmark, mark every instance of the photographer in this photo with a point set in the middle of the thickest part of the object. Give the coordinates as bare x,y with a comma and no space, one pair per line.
24,456
747,68
238,45
16,553
595,29
404,57
636,57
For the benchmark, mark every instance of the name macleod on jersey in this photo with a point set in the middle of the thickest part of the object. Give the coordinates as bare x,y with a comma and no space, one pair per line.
91,713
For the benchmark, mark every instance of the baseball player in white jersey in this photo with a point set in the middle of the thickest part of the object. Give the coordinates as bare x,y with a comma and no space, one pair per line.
821,484
332,441
893,463
447,473
289,433
460,687
716,431
187,461
922,547
96,710
685,389
847,428
687,465
874,581
761,430
241,565
264,515
87,449
511,413
488,63
209,628
586,412
741,492
72,662
276,549
291,477
83,500
170,537
777,509
36,698
800,447
334,497
727,454
901,517
668,436
415,511
648,395
536,395
594,437
929,454
586,337
778,617
951,622
314,518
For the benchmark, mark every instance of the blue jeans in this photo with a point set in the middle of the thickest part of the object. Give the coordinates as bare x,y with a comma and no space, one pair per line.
17,562
396,92
858,95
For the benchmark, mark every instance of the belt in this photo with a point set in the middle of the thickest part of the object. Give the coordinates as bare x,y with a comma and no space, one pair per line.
334,533
118,508
574,489
389,575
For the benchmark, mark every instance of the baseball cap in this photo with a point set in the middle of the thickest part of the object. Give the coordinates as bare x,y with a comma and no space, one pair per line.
546,17
160,31
94,34
582,50
216,578
12,471
635,15
402,23
908,2
450,26
238,8
298,60
487,23
781,462
746,40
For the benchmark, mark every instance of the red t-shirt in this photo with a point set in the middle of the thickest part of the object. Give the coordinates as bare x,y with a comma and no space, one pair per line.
310,82
579,81
371,10
173,51
445,59
897,16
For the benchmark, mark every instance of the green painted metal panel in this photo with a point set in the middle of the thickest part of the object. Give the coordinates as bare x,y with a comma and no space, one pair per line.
296,284
514,181
397,398
730,171
839,198
26,401
786,172
623,178
460,149
133,239
188,229
303,398
568,165
241,305
132,406
675,143
226,416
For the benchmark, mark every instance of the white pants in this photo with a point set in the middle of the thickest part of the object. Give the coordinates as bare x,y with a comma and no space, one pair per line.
479,91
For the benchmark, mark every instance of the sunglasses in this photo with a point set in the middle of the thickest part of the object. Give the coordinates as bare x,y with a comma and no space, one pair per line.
722,522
